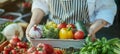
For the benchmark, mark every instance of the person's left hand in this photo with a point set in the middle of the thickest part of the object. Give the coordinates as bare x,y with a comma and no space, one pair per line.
95,27
92,34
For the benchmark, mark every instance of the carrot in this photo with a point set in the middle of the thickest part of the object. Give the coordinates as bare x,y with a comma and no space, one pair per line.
5,43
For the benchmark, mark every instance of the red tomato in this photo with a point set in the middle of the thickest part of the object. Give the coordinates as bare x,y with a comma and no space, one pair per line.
7,48
23,50
39,52
5,52
10,45
26,4
31,50
14,51
61,25
46,47
10,17
15,38
43,52
36,52
22,45
79,35
58,51
14,43
71,25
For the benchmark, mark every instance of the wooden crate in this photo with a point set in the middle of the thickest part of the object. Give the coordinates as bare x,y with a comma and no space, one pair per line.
60,43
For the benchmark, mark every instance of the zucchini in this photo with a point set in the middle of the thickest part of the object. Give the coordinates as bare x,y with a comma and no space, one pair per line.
80,26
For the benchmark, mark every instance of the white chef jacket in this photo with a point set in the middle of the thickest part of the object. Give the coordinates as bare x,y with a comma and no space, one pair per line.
98,9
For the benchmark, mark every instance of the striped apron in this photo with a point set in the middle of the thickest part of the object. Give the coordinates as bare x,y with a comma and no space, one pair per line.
68,11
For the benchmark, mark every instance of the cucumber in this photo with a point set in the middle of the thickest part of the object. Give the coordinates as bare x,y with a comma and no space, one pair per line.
1,36
80,26
2,39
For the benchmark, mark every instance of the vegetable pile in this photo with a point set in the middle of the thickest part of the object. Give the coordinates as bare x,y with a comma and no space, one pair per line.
52,30
17,46
63,30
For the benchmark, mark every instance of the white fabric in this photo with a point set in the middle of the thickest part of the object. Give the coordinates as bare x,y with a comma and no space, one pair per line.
98,9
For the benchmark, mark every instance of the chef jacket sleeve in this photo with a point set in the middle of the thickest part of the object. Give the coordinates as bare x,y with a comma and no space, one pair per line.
40,4
106,10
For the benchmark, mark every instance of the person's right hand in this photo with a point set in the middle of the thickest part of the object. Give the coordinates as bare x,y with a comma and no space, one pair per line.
37,15
27,31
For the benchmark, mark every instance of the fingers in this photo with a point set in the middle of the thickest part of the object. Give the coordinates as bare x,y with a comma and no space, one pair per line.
93,37
28,29
92,34
27,32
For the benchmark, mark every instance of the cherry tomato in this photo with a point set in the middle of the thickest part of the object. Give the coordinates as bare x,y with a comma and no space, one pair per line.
42,52
23,50
15,38
36,52
46,47
39,52
5,52
58,51
79,35
22,45
7,48
14,51
26,4
61,25
10,45
71,25
12,42
31,50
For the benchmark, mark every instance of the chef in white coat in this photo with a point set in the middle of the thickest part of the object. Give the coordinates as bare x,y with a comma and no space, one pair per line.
96,13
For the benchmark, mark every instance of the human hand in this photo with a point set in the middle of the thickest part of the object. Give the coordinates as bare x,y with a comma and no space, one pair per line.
92,34
27,31
95,27
37,15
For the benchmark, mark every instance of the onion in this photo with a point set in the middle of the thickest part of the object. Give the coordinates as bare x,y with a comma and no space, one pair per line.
35,32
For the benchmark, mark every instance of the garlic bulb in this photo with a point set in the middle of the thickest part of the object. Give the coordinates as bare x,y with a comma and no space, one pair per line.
35,32
12,30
